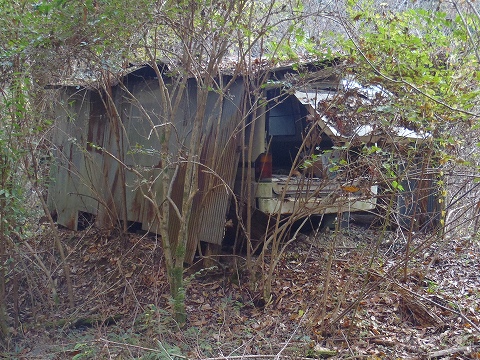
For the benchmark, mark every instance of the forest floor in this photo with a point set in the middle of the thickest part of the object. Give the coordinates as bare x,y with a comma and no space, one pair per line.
339,295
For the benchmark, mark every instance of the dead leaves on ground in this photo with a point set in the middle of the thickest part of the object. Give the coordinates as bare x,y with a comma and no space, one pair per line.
360,308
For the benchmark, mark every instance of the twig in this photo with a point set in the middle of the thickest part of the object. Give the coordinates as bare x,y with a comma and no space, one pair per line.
439,353
42,266
348,344
402,81
163,348
140,347
239,357
291,336
459,312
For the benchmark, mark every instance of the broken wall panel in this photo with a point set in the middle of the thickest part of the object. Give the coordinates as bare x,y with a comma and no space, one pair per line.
78,167
112,163
219,156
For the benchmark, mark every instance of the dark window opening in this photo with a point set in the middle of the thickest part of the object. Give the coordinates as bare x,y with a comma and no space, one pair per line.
282,116
285,122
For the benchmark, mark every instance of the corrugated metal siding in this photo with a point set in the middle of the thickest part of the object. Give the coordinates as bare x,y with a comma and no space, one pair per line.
219,154
78,170
93,190
142,152
89,180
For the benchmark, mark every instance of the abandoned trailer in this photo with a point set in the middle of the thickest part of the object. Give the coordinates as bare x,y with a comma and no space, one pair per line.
275,141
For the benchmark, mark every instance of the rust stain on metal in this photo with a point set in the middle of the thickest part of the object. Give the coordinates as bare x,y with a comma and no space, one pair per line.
71,223
211,203
93,178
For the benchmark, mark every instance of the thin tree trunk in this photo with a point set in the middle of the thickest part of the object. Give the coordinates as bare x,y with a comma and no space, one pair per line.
3,254
115,122
56,237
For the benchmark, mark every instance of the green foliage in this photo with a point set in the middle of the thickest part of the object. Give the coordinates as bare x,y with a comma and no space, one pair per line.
310,161
432,287
421,57
85,351
372,149
427,63
391,175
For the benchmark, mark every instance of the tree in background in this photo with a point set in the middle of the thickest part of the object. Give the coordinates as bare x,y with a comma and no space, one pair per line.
428,60
428,63
42,43
64,42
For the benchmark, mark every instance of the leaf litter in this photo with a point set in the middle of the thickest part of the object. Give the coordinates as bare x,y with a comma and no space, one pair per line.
360,306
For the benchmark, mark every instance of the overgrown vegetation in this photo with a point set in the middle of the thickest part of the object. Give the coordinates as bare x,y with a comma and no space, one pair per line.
420,70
